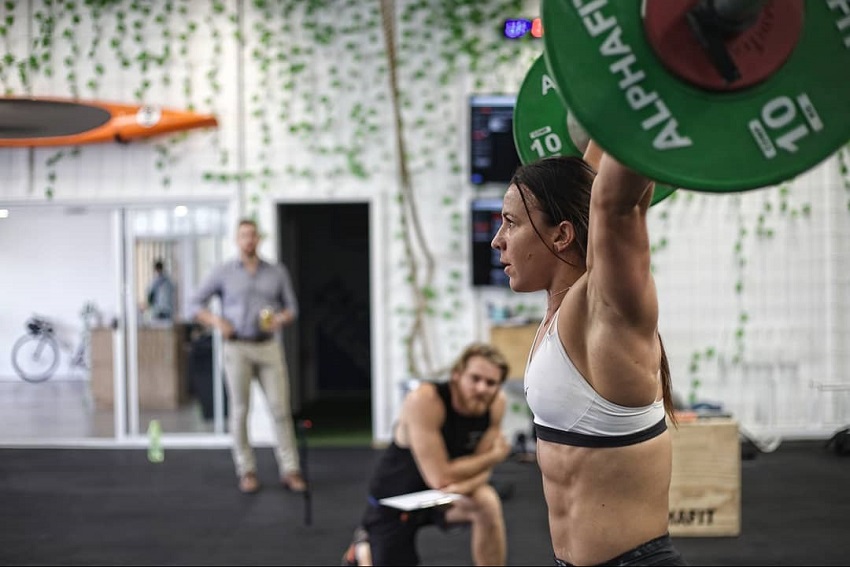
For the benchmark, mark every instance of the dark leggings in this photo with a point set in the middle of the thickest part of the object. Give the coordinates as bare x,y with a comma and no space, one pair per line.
392,533
658,551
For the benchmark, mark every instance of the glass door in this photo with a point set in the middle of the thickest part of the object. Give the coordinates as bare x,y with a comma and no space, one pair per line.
173,378
56,364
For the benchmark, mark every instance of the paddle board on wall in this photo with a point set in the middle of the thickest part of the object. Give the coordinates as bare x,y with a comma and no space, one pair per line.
42,121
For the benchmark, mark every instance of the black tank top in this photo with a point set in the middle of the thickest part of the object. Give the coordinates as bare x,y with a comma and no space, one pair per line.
397,473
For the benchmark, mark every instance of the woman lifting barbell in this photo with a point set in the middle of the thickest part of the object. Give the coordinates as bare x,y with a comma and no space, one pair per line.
597,378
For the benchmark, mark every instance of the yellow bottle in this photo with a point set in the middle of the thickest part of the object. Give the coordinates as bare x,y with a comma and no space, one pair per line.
266,318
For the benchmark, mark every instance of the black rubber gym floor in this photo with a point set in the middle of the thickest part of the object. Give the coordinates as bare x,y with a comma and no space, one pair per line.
113,507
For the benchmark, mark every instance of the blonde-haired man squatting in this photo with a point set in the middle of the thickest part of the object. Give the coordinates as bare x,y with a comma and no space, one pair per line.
448,436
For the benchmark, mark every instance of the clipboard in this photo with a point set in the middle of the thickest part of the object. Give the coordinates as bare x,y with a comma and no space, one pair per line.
420,500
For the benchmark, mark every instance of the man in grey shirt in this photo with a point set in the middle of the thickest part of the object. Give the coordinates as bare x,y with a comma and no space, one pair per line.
160,296
257,300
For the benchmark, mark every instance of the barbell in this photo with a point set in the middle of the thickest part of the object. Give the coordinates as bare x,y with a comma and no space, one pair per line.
708,95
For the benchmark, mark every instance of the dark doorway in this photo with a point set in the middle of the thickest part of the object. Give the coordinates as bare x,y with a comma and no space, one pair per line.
326,247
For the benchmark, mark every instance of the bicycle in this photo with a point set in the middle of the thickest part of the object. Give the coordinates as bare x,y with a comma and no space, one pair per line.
36,355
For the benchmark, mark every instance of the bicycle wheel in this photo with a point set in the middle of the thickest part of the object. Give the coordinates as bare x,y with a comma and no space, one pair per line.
35,358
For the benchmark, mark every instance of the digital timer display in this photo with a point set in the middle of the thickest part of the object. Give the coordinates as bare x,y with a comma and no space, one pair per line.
516,28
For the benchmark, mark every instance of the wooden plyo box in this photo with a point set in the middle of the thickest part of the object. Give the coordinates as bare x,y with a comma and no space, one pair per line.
705,490
515,343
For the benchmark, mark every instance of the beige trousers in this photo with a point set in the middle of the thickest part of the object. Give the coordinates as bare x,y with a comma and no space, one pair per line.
243,361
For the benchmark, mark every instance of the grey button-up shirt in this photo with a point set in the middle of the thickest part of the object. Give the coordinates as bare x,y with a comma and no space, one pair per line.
244,295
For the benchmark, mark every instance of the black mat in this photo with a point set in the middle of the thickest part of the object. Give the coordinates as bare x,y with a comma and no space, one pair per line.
99,507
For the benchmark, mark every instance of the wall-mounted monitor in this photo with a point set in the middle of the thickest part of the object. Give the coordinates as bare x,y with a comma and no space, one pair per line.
486,218
492,153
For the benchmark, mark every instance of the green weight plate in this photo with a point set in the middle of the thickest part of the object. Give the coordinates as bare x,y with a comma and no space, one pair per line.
540,118
541,124
661,192
685,136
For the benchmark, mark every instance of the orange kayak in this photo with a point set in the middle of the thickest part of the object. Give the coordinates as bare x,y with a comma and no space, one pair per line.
32,122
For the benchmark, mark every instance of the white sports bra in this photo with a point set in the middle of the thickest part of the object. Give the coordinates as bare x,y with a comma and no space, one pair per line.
567,410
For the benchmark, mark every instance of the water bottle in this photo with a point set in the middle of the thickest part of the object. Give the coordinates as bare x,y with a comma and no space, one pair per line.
155,452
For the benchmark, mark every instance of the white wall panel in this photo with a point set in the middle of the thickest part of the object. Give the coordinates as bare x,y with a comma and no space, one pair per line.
794,284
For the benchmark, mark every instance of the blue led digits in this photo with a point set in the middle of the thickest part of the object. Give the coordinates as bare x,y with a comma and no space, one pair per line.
517,27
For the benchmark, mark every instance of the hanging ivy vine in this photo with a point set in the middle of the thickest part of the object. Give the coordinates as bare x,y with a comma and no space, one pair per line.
465,47
57,27
777,207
